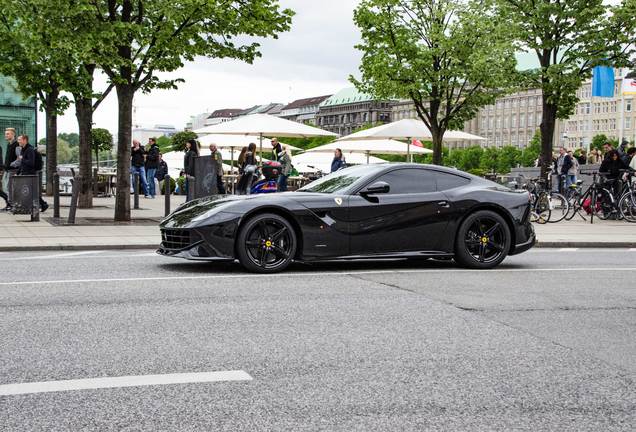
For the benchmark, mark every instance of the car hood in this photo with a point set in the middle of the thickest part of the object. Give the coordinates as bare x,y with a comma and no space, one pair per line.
190,210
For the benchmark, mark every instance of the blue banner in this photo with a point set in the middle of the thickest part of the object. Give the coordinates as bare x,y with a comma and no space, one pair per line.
603,81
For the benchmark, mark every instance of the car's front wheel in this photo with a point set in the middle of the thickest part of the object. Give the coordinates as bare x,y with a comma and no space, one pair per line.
483,240
266,243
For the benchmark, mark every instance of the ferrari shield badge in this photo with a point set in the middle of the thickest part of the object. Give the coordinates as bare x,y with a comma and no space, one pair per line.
338,201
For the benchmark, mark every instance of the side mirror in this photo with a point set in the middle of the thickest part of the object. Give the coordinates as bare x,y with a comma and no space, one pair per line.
379,187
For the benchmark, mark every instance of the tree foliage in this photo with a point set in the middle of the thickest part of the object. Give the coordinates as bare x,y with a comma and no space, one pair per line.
449,57
569,39
180,138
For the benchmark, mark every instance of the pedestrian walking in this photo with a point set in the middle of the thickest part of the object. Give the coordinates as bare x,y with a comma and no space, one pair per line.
191,152
162,171
338,161
30,163
573,172
217,159
152,163
582,157
286,168
247,169
137,162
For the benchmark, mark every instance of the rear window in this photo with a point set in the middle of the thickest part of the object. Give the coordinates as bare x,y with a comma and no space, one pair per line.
446,181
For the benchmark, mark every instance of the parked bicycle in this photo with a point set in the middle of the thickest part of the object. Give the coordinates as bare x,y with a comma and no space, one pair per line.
546,205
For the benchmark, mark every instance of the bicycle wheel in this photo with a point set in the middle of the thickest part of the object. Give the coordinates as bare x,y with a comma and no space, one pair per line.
541,209
559,207
603,208
627,207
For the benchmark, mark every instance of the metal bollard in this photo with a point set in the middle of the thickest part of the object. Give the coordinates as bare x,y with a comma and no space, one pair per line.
136,190
166,193
76,182
191,186
35,207
56,195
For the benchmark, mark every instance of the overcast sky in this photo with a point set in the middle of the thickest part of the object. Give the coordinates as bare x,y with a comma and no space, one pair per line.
314,58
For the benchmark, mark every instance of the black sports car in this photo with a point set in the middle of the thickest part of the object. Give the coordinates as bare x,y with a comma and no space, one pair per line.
365,211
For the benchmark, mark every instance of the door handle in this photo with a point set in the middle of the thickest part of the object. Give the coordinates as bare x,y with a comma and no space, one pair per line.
444,204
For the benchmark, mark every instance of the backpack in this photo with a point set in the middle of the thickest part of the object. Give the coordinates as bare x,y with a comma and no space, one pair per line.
39,164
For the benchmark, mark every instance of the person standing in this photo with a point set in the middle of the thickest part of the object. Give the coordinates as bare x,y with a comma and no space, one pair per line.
573,171
162,171
138,159
191,152
276,149
152,163
217,159
582,157
9,168
285,170
563,165
247,169
338,161
29,163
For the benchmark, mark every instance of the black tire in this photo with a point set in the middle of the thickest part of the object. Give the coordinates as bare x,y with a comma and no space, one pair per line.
482,241
266,243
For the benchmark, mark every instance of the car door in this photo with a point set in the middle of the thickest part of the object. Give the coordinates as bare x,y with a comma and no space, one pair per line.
410,217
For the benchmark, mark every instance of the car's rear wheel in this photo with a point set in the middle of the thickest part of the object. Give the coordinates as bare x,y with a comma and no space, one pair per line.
483,240
266,243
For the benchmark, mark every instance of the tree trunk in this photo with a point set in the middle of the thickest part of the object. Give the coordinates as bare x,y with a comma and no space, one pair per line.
50,110
438,136
84,114
548,124
125,95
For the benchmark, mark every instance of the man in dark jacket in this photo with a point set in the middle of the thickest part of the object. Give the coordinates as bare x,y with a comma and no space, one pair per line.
563,165
28,163
162,171
152,163
138,159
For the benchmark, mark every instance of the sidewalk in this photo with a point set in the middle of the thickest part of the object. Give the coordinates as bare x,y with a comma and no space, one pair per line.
95,229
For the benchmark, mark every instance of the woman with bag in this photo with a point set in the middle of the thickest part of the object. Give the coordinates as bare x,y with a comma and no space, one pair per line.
247,169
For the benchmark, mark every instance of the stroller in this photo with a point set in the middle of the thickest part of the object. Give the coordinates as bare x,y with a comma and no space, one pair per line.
271,170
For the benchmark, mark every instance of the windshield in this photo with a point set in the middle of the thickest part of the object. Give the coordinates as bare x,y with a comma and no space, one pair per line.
339,181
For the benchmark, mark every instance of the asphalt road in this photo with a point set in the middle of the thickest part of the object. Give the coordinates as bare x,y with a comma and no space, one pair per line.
545,342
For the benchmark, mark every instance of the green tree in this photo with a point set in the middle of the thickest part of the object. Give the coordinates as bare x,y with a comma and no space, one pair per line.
508,157
159,36
64,152
31,55
165,144
489,159
71,138
600,139
450,58
532,151
569,38
471,158
102,141
180,138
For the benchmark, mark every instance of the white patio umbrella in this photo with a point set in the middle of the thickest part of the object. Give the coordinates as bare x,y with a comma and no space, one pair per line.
407,129
174,159
322,161
234,143
372,146
264,124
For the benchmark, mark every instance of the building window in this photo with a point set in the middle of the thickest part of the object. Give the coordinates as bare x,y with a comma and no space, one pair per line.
628,105
628,122
513,121
530,119
522,121
498,122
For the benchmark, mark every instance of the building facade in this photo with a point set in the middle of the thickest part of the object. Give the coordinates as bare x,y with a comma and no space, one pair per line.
349,109
143,134
222,116
303,110
16,112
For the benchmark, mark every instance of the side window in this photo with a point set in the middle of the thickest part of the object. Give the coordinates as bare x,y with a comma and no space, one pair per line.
408,181
446,181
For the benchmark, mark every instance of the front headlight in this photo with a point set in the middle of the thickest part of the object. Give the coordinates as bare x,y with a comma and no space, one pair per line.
214,216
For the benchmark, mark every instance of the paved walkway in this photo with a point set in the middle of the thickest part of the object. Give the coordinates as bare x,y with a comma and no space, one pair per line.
95,230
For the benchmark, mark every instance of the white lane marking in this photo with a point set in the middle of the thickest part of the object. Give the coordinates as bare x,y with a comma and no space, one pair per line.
568,249
55,256
318,273
123,381
632,250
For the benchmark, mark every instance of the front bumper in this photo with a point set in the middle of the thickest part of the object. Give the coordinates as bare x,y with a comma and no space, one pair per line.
200,244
